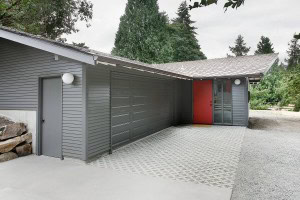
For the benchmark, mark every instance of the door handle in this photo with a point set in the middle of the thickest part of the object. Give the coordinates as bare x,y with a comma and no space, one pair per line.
43,121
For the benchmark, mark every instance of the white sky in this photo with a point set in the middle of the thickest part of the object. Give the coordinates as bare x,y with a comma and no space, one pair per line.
277,19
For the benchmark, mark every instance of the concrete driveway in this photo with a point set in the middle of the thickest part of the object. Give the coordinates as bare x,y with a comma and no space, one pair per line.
44,178
178,163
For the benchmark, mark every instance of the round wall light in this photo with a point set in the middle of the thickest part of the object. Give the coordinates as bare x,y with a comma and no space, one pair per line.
68,78
237,81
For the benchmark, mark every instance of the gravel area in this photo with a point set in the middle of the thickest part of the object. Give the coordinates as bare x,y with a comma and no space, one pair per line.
274,120
270,158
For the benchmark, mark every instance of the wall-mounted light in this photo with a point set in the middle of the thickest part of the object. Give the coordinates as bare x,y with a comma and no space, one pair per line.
237,81
68,78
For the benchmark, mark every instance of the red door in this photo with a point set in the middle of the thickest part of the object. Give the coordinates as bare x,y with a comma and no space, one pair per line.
202,92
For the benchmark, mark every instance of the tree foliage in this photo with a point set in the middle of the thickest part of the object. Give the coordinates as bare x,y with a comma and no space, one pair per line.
264,46
281,85
230,3
183,37
240,48
143,33
268,91
47,18
293,53
297,36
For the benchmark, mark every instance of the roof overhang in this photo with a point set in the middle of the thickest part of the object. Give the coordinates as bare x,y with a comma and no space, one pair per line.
139,67
232,76
48,47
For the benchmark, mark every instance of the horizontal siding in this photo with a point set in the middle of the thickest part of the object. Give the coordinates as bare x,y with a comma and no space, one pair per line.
240,103
98,111
20,67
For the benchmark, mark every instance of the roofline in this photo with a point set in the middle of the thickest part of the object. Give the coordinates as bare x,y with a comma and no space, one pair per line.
139,67
207,60
257,75
92,57
272,63
48,46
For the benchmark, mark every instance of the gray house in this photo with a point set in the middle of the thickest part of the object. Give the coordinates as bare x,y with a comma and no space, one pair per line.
113,101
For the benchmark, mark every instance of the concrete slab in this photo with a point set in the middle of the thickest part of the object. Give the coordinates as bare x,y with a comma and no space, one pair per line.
44,178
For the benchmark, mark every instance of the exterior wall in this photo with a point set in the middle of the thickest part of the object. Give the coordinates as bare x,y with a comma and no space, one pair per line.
240,106
98,100
140,106
98,110
183,102
20,69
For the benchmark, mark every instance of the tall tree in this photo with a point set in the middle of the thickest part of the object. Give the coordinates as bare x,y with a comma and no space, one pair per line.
184,41
47,18
240,48
293,53
143,33
264,46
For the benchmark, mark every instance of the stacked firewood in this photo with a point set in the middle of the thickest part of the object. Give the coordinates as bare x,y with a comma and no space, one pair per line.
15,141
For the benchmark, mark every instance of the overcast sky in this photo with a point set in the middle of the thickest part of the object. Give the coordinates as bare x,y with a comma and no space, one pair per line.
277,19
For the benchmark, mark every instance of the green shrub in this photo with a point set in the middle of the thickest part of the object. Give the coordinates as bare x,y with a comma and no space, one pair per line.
256,104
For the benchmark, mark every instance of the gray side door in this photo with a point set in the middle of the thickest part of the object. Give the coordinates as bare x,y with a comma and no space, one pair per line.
51,137
140,106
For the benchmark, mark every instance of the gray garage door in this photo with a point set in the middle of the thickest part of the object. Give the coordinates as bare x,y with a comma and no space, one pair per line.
140,106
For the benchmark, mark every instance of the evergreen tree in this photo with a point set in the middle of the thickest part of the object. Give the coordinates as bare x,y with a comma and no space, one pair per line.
143,33
184,41
293,53
264,46
50,19
240,48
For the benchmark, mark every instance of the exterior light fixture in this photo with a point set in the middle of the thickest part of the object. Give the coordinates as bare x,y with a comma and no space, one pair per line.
68,78
237,81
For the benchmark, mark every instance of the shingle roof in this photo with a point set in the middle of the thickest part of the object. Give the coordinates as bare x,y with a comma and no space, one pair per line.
251,66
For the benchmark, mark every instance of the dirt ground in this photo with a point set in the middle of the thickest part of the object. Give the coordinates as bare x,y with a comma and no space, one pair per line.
284,121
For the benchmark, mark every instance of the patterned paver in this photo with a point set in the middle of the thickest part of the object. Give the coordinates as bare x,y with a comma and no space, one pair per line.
196,154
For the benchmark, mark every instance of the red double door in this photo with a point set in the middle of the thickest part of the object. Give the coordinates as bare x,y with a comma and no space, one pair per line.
202,100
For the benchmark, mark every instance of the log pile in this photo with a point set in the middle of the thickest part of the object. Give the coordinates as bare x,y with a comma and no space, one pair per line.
15,141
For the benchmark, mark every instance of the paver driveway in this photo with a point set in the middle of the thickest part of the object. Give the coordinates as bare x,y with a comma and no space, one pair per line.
197,154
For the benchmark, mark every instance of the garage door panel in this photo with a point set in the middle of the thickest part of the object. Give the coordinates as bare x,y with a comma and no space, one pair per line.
140,107
141,115
120,101
120,110
141,131
120,138
120,128
120,92
120,83
137,104
120,119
